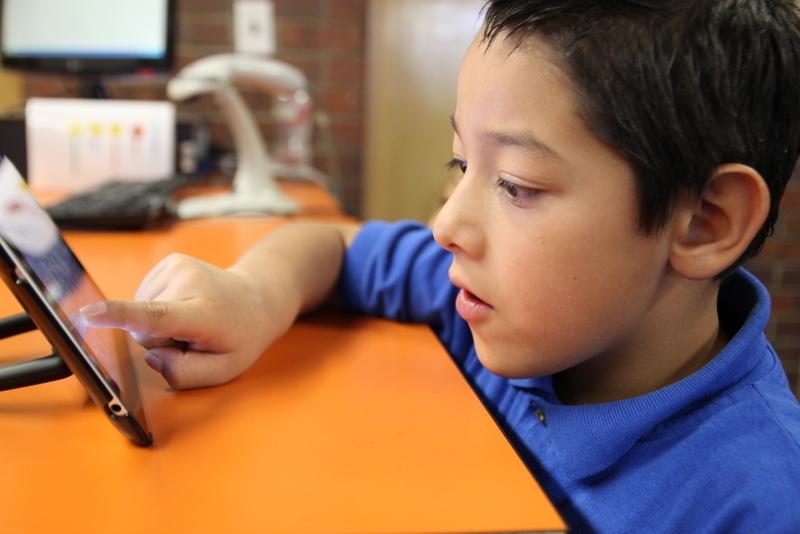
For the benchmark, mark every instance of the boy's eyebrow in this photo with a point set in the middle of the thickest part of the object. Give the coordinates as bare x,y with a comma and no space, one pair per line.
523,139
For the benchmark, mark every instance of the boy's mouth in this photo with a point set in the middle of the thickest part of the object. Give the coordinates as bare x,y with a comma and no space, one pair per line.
471,308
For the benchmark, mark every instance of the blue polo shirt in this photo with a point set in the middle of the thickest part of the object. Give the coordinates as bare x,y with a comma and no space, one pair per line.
718,451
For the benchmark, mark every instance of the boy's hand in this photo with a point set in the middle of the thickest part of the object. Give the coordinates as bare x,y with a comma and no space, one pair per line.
202,325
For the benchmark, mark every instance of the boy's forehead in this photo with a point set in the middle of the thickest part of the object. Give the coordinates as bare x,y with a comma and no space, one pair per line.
508,61
505,44
511,91
513,58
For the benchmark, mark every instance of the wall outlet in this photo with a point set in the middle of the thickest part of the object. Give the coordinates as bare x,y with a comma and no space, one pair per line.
254,27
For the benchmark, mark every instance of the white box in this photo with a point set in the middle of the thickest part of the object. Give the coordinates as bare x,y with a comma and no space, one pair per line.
75,144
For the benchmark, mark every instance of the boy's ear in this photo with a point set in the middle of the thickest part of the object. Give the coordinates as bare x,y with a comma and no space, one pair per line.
712,232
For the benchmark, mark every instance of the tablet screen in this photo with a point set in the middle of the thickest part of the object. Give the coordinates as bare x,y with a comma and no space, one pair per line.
61,280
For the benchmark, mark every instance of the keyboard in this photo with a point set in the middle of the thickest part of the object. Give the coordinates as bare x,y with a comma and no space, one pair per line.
120,205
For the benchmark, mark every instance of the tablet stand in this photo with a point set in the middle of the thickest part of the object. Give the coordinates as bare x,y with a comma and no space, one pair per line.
31,372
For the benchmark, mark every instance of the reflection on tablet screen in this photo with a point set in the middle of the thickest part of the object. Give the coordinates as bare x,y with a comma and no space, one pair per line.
62,279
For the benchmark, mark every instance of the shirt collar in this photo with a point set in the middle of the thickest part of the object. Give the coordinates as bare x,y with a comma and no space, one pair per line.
591,438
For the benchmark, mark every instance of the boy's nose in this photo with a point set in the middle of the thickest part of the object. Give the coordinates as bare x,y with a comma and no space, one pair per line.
457,226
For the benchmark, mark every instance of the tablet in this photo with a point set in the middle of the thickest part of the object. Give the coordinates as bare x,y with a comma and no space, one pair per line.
52,286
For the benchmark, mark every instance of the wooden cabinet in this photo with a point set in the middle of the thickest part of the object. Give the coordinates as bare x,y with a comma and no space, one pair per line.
414,50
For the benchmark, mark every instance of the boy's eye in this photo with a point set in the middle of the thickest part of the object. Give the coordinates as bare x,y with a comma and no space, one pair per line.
459,164
516,194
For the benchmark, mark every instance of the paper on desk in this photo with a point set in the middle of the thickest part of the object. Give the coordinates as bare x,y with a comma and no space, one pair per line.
74,144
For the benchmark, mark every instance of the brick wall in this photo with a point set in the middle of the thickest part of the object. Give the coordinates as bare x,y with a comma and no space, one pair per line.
324,38
778,266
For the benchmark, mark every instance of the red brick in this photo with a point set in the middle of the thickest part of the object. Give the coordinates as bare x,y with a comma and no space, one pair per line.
308,8
310,67
147,92
789,355
202,6
347,9
340,101
783,302
206,34
183,58
788,328
40,85
788,343
780,249
256,99
791,199
791,273
220,133
796,383
267,131
321,162
791,276
346,168
346,135
345,71
297,35
763,274
790,362
794,379
351,166
351,195
349,37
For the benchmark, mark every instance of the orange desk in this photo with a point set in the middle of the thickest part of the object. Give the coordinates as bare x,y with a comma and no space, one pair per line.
345,425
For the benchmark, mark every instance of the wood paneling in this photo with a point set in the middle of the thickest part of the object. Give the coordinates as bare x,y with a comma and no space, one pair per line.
414,50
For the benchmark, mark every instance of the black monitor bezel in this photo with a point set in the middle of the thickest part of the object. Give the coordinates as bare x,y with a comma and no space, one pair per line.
96,66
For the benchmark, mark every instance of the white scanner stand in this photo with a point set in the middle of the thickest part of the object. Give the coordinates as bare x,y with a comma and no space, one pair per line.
255,190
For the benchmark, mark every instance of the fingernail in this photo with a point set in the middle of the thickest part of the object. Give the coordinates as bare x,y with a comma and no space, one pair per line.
153,361
93,310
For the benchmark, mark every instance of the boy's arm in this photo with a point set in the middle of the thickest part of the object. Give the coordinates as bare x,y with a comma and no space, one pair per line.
203,325
305,256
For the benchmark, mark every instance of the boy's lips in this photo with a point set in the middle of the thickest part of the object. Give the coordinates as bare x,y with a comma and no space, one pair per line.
469,306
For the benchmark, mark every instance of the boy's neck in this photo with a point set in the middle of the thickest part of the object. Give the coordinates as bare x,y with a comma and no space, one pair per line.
680,335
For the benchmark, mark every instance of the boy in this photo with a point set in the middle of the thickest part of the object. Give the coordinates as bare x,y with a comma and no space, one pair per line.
620,159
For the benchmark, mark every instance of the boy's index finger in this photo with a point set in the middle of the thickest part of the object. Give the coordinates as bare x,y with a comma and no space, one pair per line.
142,316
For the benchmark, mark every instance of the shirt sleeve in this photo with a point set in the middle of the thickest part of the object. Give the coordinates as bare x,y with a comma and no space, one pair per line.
397,271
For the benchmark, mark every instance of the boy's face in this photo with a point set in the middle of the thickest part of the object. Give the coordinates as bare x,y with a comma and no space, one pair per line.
543,224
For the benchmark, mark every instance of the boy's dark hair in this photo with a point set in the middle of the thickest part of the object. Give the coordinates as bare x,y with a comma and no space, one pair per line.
678,87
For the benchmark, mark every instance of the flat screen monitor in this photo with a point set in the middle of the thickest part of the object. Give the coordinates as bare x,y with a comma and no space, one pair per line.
87,37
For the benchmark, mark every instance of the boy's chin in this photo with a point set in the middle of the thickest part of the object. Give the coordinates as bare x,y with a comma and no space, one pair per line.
505,364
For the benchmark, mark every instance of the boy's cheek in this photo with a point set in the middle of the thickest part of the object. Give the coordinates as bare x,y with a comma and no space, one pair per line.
534,344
